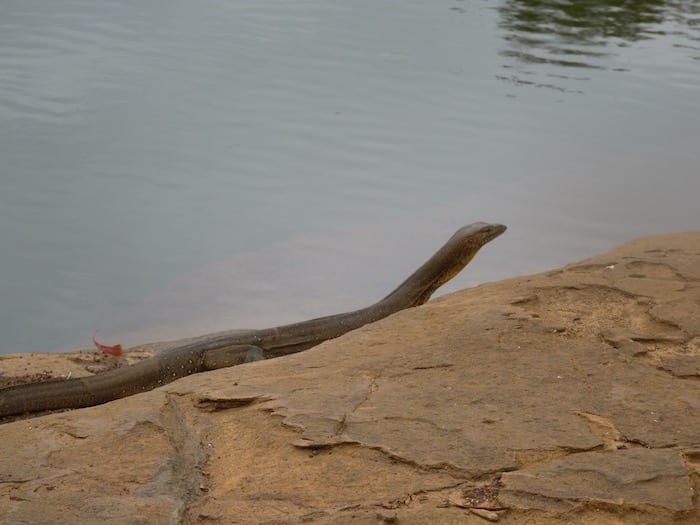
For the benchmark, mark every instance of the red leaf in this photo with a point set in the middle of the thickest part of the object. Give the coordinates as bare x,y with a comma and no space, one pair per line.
115,350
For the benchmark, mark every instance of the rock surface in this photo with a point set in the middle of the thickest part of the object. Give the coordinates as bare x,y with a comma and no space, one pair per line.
571,396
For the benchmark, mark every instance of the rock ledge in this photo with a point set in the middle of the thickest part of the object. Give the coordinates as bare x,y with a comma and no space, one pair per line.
571,396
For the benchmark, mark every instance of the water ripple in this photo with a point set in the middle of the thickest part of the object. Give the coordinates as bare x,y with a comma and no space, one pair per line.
571,35
142,139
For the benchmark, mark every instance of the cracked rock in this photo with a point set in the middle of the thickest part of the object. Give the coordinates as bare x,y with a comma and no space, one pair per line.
565,397
623,477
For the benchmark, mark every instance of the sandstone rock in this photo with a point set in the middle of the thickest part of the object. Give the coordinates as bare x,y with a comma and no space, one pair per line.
569,396
631,477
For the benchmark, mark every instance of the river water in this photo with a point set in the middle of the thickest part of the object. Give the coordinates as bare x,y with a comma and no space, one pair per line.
169,168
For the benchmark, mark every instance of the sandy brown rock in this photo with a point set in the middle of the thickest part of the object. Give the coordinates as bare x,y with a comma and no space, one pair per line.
637,476
571,396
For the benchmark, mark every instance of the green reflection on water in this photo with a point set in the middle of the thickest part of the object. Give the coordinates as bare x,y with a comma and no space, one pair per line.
589,34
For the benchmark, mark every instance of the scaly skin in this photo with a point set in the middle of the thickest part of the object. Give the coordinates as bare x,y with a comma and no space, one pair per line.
231,349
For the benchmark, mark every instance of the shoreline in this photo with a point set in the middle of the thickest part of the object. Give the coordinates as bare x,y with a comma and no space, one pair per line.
566,395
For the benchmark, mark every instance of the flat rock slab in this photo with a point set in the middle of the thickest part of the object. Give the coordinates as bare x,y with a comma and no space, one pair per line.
638,476
568,396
